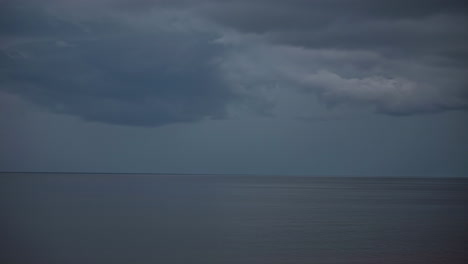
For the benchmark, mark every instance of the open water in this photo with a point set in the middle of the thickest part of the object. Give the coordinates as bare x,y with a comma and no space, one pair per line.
200,219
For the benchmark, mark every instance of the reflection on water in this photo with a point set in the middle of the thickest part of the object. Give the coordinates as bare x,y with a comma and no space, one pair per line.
231,219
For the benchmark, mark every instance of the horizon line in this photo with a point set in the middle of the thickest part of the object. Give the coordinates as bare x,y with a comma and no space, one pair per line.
230,174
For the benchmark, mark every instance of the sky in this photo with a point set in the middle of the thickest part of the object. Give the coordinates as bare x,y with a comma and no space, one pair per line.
282,87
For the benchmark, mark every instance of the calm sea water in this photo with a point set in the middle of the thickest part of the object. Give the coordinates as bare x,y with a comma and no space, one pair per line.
140,219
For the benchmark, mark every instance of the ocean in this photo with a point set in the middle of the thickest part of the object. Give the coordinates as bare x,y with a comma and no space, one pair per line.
202,219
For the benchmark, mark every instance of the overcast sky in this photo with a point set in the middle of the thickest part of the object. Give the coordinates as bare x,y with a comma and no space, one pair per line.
296,87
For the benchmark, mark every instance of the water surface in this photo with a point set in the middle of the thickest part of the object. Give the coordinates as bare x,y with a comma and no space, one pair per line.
172,219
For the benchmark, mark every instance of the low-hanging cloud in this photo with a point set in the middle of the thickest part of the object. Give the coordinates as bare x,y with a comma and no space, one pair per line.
151,63
352,78
125,73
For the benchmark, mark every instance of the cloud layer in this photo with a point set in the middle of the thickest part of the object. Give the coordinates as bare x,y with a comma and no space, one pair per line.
151,63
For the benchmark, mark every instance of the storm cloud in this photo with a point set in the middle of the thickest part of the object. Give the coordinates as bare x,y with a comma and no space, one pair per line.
398,57
122,73
152,63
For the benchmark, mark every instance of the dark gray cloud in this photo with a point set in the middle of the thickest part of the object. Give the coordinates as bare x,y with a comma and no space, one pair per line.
273,15
31,21
399,57
126,74
397,27
152,63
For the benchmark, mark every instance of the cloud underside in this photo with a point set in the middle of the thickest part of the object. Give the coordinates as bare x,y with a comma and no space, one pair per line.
152,63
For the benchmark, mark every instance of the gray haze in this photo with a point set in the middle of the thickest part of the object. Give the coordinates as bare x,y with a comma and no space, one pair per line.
327,87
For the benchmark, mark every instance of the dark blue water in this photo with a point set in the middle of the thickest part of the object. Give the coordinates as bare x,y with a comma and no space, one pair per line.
139,219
